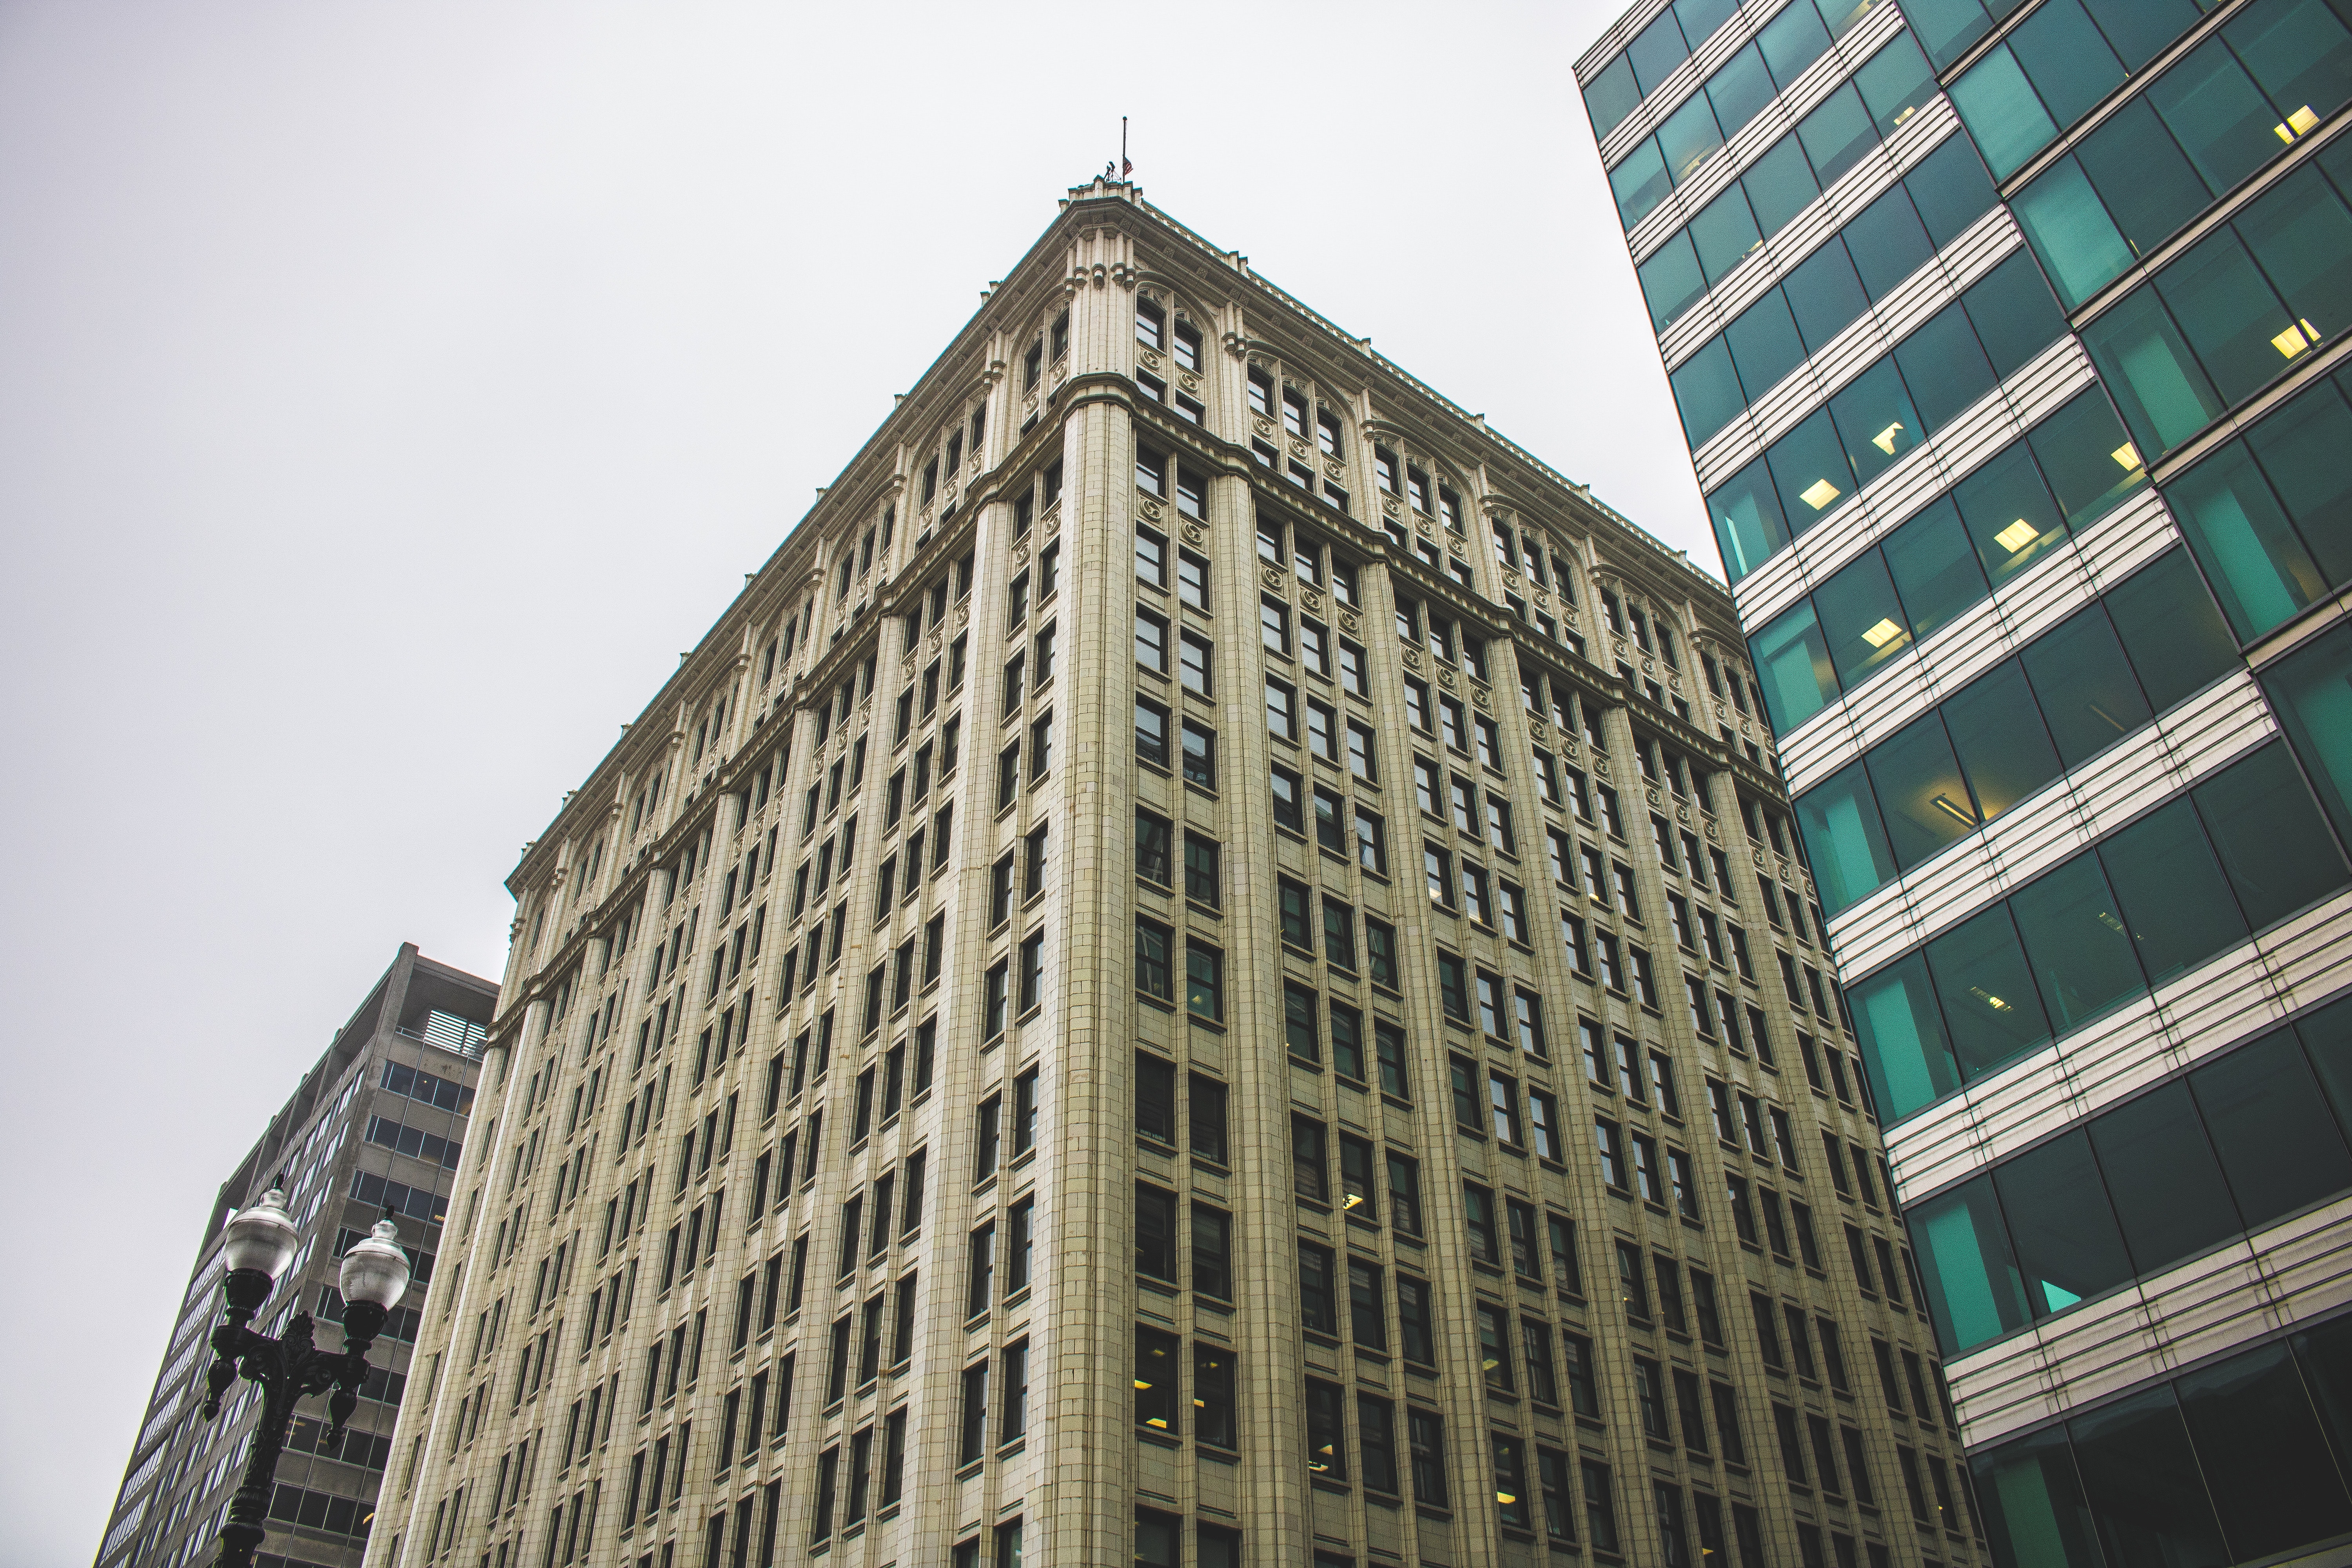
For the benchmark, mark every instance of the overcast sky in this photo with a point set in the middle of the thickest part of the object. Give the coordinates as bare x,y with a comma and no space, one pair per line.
389,393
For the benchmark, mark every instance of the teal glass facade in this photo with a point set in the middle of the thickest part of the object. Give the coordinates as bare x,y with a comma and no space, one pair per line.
2021,407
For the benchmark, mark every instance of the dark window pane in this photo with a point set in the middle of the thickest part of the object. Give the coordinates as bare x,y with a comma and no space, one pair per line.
2033,1507
1689,138
2002,112
2156,382
1950,188
2326,1356
1764,345
1876,421
1903,1043
2175,899
2015,315
1974,1290
2010,516
1896,84
2301,448
2081,956
1707,390
1810,471
1990,1004
2168,1194
2138,28
2259,1444
2301,237
1935,568
1947,26
2089,462
2252,555
2142,1484
1739,89
1748,527
1657,52
1844,839
1837,134
2064,1232
1825,295
1920,794
1779,184
1996,733
2216,113
2272,842
1670,282
1888,243
2278,1143
2072,231
2089,695
1613,95
1724,233
2171,629
1943,359
2298,51
1638,183
2327,1040
1861,621
2229,315
2311,692
2066,58
2147,181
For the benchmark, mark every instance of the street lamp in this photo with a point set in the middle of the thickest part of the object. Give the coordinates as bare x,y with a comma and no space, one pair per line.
260,1244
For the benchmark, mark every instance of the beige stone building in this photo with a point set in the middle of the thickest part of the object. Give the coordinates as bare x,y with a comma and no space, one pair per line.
1207,967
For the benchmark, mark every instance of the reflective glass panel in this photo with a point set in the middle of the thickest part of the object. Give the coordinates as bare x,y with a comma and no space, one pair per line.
2033,1505
2311,692
1861,621
1903,1045
2266,1466
2217,114
2166,1186
1975,1290
1844,838
2082,957
1887,242
2171,629
2273,841
1934,566
1810,471
1837,134
2219,300
2175,902
2088,693
2252,555
2067,58
2143,1483
1990,1004
1792,665
1944,360
1671,281
2060,1226
2278,1142
2156,382
1920,793
1748,527
1876,420
1724,233
2002,112
2302,448
2010,514
1997,731
1779,184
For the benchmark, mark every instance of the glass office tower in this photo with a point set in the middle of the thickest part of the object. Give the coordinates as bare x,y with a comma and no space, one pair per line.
2010,343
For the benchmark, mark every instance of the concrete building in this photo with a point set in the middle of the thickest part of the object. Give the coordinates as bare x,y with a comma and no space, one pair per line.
1207,966
2009,340
380,1120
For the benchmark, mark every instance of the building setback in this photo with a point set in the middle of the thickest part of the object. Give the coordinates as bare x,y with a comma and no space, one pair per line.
379,1121
2009,340
1208,966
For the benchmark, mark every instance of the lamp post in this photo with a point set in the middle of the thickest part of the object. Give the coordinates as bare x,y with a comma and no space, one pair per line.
261,1243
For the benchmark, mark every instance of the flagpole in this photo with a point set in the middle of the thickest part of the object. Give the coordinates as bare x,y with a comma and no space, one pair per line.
1124,168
